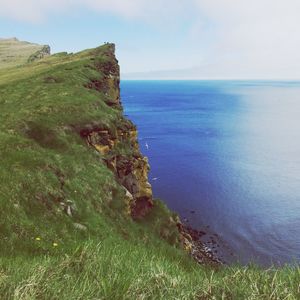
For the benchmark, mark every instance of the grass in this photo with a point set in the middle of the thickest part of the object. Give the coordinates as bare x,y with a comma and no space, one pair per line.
116,268
99,252
15,53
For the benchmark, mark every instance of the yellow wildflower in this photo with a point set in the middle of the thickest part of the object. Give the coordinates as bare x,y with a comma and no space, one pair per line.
37,238
55,244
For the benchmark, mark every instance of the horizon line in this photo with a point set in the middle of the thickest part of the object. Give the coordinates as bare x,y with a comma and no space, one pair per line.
211,79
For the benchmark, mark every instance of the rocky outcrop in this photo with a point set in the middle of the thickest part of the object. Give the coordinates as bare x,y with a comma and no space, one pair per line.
118,144
109,81
43,52
131,170
191,242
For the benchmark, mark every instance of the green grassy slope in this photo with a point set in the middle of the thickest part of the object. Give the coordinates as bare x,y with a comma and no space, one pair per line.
98,252
14,52
45,163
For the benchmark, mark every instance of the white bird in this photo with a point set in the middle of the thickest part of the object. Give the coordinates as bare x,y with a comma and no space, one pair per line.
155,178
147,146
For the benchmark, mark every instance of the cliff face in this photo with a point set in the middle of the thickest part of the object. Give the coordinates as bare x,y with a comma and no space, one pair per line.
129,166
130,170
108,81
119,149
71,159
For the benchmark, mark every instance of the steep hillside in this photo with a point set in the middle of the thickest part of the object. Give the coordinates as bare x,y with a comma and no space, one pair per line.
14,52
77,218
69,152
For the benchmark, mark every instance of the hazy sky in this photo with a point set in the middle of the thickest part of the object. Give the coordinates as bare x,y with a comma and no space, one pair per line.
169,38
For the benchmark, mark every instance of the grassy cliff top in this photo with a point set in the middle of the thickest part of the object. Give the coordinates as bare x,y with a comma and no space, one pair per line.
46,164
14,52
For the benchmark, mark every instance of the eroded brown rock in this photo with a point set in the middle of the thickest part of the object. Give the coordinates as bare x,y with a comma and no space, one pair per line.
190,240
130,170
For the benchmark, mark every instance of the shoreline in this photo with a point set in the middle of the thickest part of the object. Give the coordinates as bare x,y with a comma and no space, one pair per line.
198,250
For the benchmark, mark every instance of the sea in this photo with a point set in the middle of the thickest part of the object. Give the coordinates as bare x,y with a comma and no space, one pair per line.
225,155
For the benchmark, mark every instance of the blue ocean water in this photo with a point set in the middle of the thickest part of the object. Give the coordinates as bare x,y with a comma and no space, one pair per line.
225,155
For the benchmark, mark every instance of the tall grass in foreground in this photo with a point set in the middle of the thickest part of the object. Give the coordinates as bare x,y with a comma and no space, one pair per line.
118,269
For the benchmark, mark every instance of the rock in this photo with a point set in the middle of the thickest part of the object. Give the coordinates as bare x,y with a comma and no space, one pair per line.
130,170
69,211
190,239
80,226
102,149
128,199
109,84
45,51
128,195
68,207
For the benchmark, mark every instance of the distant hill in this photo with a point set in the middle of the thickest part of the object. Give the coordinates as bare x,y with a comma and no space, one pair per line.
14,52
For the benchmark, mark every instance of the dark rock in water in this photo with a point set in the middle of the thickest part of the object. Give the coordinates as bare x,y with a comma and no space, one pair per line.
198,250
192,212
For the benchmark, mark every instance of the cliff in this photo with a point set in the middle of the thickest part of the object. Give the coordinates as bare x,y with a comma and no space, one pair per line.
72,158
77,211
129,167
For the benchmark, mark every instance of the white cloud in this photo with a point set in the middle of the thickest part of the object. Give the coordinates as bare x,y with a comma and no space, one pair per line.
257,38
38,10
32,10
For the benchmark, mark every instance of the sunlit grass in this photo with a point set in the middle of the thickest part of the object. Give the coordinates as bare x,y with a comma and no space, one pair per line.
118,269
14,53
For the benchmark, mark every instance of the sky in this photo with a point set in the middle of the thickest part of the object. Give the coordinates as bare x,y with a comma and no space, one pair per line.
169,39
